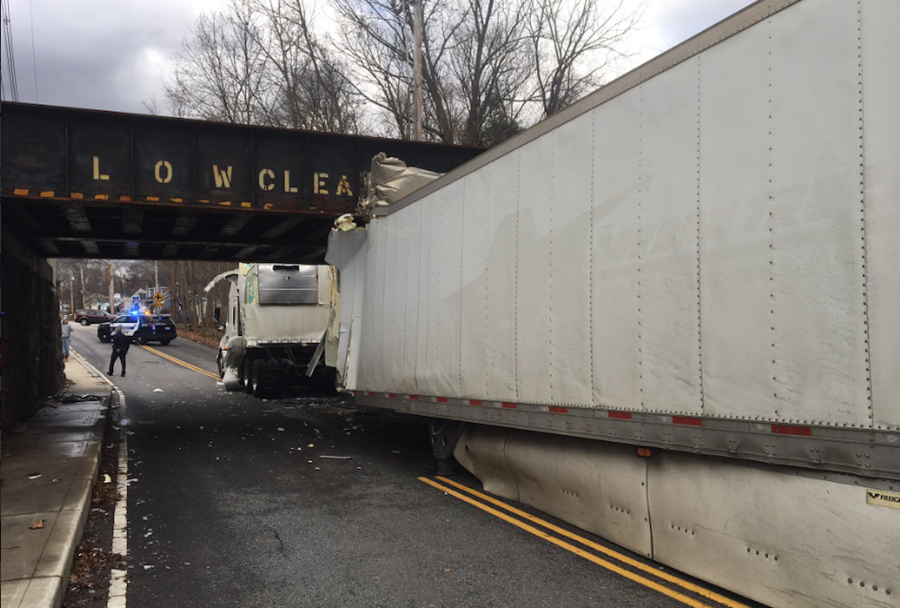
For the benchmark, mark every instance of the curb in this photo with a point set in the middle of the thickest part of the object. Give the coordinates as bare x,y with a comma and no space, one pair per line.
118,583
86,505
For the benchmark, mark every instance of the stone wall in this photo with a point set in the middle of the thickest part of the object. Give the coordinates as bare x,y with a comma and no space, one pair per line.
32,356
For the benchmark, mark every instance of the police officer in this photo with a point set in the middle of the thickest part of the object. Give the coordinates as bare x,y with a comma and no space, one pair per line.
120,344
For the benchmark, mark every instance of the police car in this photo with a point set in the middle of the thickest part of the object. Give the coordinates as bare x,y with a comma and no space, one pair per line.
140,328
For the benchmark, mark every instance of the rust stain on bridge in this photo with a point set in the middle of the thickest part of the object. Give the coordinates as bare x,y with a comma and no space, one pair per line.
86,183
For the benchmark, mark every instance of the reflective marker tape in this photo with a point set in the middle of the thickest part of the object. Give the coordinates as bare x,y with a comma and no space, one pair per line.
787,429
620,415
687,420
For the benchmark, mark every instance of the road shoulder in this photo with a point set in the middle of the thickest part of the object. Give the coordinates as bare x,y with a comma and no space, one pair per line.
49,467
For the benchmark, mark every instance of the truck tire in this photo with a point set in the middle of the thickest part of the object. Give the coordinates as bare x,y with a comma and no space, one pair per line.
248,375
256,378
219,365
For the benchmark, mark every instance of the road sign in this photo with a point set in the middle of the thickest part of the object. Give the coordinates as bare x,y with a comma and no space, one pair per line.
158,299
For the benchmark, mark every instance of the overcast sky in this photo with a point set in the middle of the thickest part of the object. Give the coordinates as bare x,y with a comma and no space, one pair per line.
115,54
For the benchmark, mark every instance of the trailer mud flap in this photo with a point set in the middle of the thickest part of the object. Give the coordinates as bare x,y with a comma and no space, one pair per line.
230,380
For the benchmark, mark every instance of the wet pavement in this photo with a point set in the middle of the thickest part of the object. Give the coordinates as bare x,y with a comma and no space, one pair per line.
308,501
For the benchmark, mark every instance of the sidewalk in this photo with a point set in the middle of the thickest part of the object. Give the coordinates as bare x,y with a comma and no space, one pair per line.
61,446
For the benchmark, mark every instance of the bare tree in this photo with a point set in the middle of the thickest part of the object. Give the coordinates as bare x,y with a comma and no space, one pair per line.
259,62
490,67
377,35
474,63
191,306
575,45
220,72
313,89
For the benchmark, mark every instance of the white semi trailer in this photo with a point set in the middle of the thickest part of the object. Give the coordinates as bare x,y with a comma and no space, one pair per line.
273,326
701,258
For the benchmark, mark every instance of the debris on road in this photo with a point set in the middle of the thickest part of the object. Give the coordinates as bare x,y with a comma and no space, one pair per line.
34,476
37,525
107,478
336,457
157,390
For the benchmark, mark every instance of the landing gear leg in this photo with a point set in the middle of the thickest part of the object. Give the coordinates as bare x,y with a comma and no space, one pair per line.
444,435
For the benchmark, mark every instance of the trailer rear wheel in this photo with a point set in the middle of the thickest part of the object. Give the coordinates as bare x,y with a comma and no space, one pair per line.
247,375
256,378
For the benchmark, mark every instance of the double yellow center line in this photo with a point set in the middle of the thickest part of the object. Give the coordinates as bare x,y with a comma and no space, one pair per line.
613,567
177,361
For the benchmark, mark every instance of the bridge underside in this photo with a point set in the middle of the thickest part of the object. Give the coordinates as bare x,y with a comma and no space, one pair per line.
77,229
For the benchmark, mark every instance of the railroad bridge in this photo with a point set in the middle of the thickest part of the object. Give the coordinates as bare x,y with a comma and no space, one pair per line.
90,184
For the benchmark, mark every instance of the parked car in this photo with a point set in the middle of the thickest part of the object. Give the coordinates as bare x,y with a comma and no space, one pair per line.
88,316
140,328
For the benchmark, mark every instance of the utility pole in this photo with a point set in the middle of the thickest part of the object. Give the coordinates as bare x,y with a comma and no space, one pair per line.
81,270
72,295
417,68
110,274
156,275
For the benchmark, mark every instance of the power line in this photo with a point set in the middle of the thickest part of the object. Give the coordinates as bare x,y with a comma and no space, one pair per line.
37,97
10,53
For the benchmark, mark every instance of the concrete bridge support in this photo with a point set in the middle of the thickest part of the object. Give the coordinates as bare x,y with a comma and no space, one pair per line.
32,356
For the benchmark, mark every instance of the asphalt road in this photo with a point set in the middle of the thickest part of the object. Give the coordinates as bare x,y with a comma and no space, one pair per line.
307,501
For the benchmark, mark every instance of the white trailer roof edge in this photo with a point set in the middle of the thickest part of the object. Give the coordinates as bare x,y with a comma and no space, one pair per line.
709,37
